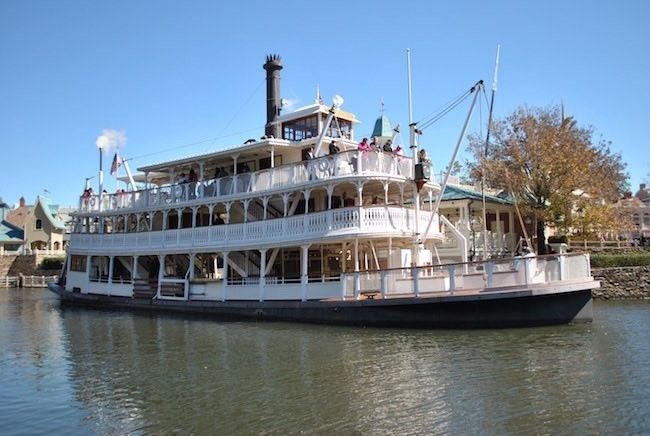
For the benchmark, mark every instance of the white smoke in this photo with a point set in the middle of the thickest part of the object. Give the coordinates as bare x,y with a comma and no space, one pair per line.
289,104
110,140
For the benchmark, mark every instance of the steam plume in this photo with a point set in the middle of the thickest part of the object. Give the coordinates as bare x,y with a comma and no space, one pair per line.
110,140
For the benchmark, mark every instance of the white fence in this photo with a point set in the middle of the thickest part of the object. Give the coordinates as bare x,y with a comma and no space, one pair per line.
448,279
27,281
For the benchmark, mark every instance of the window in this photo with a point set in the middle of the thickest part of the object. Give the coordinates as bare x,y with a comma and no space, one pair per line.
636,219
38,225
646,219
298,130
339,128
78,263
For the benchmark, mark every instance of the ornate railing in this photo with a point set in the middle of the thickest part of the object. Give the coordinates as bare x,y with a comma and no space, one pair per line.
378,219
342,164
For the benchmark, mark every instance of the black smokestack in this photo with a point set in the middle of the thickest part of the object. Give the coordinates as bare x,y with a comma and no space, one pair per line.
273,66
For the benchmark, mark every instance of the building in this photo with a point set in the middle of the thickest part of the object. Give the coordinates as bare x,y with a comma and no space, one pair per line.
11,236
43,224
637,209
462,205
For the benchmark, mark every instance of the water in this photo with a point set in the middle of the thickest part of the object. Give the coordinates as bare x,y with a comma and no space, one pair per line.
81,371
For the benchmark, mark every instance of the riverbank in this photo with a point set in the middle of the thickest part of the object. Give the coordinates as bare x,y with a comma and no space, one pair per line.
622,283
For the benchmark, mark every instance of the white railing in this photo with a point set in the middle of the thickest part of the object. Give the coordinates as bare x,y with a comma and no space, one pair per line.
27,281
378,219
342,164
446,279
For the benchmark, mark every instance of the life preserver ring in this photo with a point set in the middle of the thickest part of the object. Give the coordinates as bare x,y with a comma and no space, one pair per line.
323,165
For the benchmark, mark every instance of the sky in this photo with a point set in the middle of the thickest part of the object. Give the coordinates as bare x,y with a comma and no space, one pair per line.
180,78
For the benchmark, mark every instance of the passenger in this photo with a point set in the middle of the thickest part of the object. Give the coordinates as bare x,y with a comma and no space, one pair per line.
388,146
309,164
363,145
373,145
398,152
192,179
332,162
422,156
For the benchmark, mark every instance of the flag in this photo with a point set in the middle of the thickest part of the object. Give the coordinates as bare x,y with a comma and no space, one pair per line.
117,162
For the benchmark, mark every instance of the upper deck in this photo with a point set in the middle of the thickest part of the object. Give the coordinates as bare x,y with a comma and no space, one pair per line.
347,164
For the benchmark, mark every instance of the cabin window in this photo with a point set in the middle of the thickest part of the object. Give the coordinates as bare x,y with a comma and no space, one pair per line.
265,163
38,225
339,128
298,130
78,263
122,266
99,269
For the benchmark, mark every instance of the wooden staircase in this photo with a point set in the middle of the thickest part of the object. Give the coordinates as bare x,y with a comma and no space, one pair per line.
145,288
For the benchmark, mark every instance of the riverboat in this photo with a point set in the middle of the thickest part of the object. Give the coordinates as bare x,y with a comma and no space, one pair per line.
305,225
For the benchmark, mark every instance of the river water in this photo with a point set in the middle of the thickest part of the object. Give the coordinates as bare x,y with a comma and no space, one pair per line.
83,371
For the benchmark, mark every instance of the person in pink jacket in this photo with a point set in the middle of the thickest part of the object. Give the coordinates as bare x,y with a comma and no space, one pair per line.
364,145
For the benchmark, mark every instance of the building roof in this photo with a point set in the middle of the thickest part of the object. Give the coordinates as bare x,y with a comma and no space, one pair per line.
51,211
455,192
382,127
11,233
18,216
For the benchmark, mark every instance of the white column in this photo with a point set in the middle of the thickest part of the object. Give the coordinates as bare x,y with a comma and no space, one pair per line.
134,270
225,276
262,273
111,261
191,267
304,259
161,272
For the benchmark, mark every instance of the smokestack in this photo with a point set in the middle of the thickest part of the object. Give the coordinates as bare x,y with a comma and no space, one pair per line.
273,66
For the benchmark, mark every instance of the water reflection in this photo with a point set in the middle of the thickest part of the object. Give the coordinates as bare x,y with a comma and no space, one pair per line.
117,372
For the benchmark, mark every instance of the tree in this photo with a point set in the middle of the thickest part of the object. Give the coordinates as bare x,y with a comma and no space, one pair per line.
553,168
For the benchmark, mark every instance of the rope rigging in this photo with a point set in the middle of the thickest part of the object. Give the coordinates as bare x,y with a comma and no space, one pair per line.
219,136
449,107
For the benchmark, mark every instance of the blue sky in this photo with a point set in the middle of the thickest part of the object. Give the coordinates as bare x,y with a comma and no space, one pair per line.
175,73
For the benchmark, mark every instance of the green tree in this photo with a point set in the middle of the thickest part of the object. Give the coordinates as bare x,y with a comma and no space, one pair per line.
553,166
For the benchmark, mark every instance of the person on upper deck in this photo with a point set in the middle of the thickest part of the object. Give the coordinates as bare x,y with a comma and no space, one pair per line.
334,149
192,177
388,146
363,145
373,144
422,156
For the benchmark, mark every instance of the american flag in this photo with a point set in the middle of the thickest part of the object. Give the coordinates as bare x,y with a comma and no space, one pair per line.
117,162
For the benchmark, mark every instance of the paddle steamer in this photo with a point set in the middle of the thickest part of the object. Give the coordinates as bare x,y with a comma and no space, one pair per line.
305,225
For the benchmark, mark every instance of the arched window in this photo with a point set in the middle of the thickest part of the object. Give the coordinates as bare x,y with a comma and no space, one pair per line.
646,219
636,219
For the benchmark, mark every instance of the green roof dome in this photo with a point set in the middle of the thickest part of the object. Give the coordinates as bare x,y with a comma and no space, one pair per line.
382,127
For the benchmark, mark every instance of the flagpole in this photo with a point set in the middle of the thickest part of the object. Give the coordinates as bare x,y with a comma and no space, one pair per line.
101,178
487,142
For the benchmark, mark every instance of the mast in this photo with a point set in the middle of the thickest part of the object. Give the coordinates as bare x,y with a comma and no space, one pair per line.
414,150
485,152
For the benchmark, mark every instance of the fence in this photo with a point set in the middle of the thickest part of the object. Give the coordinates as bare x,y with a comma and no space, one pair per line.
600,245
26,281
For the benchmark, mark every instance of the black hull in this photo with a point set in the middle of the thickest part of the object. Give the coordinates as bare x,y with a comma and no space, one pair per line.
502,310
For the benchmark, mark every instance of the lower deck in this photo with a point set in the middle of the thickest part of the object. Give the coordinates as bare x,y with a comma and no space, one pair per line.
325,273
